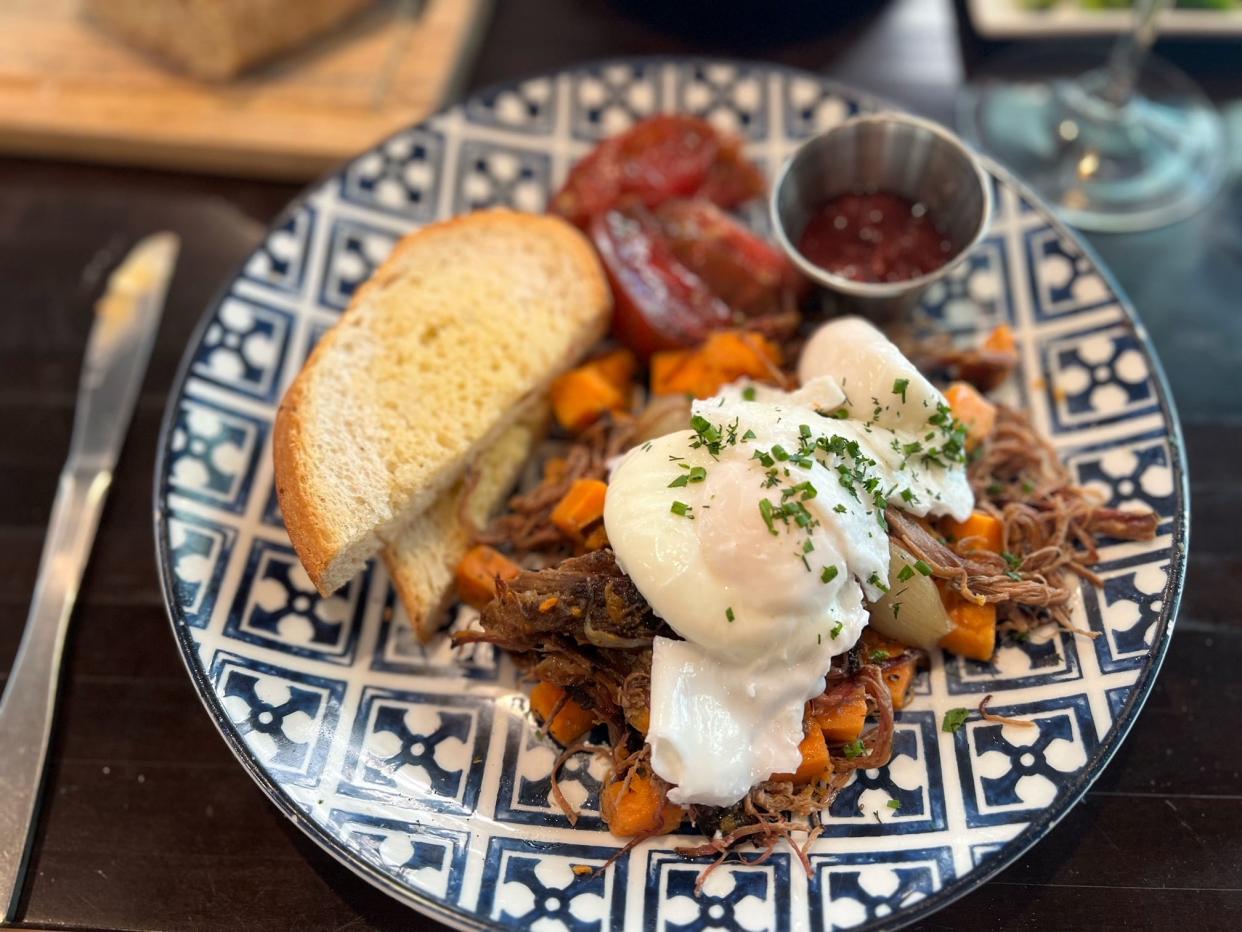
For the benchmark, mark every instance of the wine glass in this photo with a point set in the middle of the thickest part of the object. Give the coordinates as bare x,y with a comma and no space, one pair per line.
1130,144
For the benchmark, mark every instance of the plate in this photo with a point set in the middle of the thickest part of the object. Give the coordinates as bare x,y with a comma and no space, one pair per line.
422,771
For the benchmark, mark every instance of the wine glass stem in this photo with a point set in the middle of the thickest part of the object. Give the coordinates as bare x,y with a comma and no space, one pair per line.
1128,54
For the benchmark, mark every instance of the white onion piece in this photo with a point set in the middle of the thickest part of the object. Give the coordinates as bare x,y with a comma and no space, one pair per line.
912,611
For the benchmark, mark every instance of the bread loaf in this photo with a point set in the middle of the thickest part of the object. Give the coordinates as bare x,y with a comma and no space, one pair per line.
218,39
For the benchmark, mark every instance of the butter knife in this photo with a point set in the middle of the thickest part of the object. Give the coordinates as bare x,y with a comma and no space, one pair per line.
126,319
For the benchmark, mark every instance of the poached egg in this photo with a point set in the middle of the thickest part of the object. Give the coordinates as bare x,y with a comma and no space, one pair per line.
758,535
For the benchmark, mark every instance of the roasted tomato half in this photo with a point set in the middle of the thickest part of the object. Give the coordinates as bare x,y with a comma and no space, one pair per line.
659,302
688,268
659,158
745,271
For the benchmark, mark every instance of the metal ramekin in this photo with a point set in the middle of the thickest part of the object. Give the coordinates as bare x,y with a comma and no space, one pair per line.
890,152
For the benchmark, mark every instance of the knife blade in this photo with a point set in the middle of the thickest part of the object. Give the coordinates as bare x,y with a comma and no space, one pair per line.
117,351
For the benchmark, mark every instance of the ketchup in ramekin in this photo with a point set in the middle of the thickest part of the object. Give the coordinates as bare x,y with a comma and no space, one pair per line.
874,237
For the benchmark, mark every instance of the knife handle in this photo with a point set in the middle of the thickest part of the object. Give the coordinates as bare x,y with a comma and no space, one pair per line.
30,697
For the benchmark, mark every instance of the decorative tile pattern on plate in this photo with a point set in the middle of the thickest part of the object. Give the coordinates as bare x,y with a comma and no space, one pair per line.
811,106
1046,656
1117,698
280,261
982,852
212,453
1063,280
528,107
418,750
912,780
355,250
427,858
490,175
734,897
1126,612
525,793
733,98
1011,772
400,176
974,297
277,606
605,99
199,553
849,890
1130,473
244,347
398,649
542,885
286,718
1097,377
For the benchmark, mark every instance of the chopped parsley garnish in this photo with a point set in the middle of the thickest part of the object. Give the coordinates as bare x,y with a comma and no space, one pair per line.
899,388
922,567
729,613
709,435
748,393
1014,562
954,719
827,575
680,482
805,489
894,804
682,510
907,495
766,510
854,749
749,435
840,509
764,459
906,573
808,546
837,628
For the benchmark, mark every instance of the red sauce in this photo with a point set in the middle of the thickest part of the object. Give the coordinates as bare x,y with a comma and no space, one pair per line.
874,238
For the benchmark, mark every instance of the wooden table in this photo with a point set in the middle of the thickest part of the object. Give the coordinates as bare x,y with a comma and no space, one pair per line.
150,824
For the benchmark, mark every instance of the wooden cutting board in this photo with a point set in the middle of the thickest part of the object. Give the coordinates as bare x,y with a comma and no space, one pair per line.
68,90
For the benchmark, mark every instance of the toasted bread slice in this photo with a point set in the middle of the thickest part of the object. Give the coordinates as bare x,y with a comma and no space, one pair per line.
462,322
422,558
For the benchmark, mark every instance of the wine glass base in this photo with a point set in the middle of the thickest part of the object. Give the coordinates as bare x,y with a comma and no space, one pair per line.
1154,160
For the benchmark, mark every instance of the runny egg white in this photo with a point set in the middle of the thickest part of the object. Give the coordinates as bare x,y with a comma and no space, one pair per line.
756,536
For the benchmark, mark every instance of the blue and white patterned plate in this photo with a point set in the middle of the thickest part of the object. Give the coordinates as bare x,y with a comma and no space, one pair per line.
422,771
